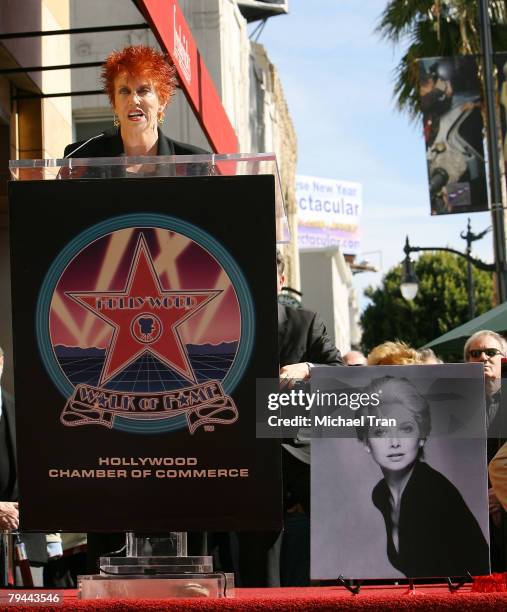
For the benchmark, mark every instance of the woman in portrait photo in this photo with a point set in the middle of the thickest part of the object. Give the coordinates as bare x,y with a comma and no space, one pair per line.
430,529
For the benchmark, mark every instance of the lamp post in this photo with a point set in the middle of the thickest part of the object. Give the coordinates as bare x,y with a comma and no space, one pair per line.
493,155
410,283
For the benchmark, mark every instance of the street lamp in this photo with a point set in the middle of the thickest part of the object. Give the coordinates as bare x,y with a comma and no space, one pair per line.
470,237
410,283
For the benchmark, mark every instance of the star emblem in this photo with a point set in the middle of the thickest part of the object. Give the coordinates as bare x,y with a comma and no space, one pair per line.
145,318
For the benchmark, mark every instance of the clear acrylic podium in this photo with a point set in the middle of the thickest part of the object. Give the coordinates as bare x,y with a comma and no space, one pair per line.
158,166
157,566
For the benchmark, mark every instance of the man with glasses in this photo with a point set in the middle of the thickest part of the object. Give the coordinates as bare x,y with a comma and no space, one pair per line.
488,347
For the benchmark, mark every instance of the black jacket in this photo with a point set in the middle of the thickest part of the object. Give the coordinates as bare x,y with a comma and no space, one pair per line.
8,450
302,336
437,533
110,144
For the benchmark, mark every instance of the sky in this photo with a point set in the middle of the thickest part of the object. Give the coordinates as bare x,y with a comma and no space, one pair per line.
337,76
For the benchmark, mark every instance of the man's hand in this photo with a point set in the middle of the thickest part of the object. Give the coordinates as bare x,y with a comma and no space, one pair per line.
9,515
299,371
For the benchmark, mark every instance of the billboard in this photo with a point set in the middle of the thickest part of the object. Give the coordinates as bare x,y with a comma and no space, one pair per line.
450,97
500,60
328,213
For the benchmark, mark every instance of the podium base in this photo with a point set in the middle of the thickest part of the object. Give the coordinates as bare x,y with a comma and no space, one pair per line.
156,565
159,586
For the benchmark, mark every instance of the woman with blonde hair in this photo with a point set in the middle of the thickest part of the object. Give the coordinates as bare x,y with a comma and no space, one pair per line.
394,353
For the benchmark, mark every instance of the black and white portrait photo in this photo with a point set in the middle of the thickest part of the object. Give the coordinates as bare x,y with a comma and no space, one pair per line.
407,495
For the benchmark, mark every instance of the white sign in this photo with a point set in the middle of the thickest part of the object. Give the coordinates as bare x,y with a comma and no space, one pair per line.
328,213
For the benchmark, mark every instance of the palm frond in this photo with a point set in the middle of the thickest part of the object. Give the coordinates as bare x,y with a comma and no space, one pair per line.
434,28
398,18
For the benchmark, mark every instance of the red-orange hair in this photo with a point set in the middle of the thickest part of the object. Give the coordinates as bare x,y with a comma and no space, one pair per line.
140,60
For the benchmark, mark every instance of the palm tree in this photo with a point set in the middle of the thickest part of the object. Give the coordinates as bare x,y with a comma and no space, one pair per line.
434,28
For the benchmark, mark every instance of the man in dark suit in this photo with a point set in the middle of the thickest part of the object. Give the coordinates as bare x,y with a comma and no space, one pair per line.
270,558
302,337
302,343
35,543
9,515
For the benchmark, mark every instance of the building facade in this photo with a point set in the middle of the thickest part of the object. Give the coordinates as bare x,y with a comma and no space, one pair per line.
327,287
30,126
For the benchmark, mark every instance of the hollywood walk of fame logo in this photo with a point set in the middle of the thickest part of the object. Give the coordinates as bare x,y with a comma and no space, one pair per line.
139,313
146,342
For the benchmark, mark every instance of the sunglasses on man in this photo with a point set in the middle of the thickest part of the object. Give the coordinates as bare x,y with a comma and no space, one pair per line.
489,352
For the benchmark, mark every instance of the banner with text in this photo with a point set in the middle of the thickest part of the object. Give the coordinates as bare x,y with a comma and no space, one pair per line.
328,213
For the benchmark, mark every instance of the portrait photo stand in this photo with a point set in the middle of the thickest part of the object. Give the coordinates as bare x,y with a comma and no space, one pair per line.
156,565
442,537
353,586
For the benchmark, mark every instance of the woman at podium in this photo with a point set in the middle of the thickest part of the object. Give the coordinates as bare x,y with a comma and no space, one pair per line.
140,83
430,529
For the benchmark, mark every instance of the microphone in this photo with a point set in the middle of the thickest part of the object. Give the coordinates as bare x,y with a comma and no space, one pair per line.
84,143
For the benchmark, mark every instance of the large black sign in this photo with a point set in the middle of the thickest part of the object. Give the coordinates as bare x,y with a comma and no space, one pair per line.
143,312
